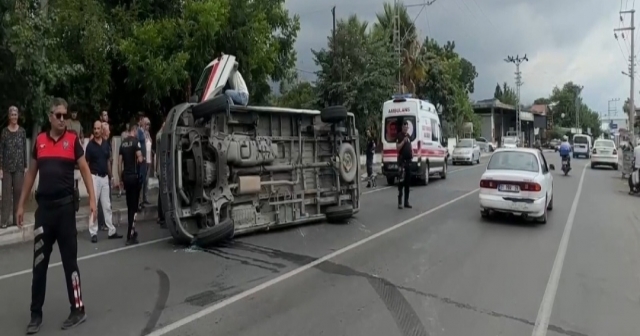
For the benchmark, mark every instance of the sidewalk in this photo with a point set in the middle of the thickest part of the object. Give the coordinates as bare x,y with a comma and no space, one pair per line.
13,235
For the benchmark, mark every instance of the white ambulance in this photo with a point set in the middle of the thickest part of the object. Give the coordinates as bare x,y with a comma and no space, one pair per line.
429,156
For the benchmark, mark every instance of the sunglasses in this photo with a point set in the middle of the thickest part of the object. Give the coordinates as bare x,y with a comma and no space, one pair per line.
60,116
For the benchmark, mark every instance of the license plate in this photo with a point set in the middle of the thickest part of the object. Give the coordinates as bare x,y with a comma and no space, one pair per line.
606,152
509,188
519,206
392,166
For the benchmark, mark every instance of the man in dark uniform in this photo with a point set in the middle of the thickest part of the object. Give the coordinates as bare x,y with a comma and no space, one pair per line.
405,154
55,154
370,151
131,178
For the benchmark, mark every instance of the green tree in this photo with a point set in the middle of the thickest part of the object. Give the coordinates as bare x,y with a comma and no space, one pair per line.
498,92
365,76
412,69
166,54
568,101
300,95
449,77
507,95
542,101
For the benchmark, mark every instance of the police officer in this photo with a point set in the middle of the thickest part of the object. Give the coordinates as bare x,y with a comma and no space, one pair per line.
55,154
131,178
405,154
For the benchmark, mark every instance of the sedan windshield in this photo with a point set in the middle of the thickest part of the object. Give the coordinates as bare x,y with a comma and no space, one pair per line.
465,143
512,160
607,144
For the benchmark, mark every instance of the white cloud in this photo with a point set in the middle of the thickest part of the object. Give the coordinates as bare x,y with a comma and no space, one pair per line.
564,41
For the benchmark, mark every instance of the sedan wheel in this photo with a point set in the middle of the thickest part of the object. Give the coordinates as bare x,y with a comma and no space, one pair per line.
543,219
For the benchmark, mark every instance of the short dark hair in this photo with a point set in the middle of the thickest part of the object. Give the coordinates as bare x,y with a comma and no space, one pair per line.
55,102
132,127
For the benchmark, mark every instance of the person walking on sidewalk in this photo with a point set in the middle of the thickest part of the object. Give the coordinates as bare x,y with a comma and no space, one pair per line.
370,151
129,161
405,155
13,163
98,153
55,154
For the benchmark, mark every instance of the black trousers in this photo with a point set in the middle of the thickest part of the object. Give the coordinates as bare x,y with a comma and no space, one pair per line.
55,222
132,187
406,181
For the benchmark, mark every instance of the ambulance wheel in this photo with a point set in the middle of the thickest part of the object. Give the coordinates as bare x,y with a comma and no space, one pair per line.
333,114
391,180
424,180
443,174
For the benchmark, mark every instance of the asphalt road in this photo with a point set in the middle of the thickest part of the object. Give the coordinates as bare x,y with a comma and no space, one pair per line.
436,269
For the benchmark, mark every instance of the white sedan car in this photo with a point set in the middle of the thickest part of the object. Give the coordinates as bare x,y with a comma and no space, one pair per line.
604,153
517,181
466,151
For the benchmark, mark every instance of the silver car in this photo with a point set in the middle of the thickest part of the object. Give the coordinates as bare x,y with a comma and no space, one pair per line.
466,151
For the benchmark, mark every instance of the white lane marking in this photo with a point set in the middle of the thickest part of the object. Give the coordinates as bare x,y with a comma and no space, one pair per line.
449,172
90,256
100,254
544,313
211,309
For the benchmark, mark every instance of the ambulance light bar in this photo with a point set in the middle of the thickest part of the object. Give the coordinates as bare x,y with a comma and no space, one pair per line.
401,97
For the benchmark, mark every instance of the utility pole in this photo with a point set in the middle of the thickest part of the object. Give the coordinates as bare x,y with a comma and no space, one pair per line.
397,39
517,61
577,106
609,110
632,106
333,50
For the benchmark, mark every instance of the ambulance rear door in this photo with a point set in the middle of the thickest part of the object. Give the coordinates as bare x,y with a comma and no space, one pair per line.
394,114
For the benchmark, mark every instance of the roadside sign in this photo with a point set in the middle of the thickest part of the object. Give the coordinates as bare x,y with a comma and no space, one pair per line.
613,126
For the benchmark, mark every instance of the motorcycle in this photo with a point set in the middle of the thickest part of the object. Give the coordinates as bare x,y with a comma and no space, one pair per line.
565,165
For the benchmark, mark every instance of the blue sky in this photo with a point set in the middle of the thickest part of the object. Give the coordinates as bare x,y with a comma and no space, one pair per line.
564,40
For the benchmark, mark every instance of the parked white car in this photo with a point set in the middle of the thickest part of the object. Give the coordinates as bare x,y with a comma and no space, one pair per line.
466,151
604,153
485,145
510,142
517,181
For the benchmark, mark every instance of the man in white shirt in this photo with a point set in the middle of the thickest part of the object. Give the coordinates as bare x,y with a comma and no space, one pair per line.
238,93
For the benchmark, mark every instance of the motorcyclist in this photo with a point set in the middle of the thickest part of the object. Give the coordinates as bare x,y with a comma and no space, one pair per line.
565,150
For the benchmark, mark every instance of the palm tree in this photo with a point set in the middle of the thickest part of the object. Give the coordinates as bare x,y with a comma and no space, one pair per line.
412,66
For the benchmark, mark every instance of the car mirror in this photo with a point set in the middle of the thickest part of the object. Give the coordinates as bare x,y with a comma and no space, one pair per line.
552,167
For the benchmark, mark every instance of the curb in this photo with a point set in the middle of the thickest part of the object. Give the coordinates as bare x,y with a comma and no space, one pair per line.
14,235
